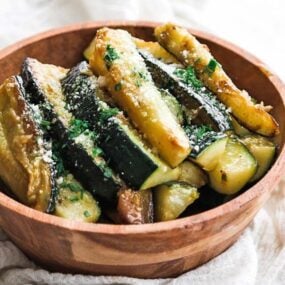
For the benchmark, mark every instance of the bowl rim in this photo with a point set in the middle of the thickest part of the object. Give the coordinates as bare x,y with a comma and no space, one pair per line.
271,178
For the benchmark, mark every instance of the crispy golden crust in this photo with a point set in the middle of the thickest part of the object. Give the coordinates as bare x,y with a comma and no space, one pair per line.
131,86
190,52
22,166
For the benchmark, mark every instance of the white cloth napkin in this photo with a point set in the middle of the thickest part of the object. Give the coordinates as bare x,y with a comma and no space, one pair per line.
258,257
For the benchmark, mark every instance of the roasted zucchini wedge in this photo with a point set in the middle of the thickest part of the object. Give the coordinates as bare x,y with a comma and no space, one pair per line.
26,165
116,58
128,154
188,50
73,202
263,150
192,174
239,129
201,106
135,207
172,199
234,169
78,143
209,157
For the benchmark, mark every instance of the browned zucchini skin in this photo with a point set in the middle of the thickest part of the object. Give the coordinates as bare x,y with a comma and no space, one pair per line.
75,157
209,110
54,189
30,117
135,207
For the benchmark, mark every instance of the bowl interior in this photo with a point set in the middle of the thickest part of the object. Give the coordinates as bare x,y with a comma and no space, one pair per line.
64,47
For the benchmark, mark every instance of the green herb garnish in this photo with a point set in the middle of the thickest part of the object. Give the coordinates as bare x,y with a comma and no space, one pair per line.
110,55
86,214
108,172
188,76
97,151
45,124
108,113
200,131
56,157
211,67
77,127
118,86
74,199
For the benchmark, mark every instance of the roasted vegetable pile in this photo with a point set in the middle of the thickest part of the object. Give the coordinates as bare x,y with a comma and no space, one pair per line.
139,132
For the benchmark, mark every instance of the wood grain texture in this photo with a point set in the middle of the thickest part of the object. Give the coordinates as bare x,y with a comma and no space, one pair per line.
153,250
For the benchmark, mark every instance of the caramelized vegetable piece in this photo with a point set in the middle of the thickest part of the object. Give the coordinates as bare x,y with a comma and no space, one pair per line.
135,207
172,199
25,161
263,150
75,203
188,50
125,149
210,156
116,58
192,174
235,168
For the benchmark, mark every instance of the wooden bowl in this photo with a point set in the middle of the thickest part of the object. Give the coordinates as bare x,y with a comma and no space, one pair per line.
154,250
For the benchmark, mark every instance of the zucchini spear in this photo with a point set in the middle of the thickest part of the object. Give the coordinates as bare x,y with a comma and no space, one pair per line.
123,147
190,52
26,164
116,58
77,142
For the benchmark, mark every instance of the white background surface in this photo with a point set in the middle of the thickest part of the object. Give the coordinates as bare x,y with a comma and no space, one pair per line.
257,26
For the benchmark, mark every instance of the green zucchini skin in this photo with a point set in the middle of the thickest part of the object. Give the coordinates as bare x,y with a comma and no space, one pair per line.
126,157
208,110
201,137
76,158
46,144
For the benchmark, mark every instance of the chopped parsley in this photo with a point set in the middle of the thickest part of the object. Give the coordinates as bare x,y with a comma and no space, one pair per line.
97,151
188,76
110,55
108,172
86,214
108,113
200,131
118,86
74,187
78,127
74,199
211,67
45,124
140,77
56,157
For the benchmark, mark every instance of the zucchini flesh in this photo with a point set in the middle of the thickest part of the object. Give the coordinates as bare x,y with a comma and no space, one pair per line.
201,137
263,150
201,105
75,203
172,199
74,137
26,165
128,154
192,174
210,155
173,105
135,207
188,50
239,129
115,57
234,169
